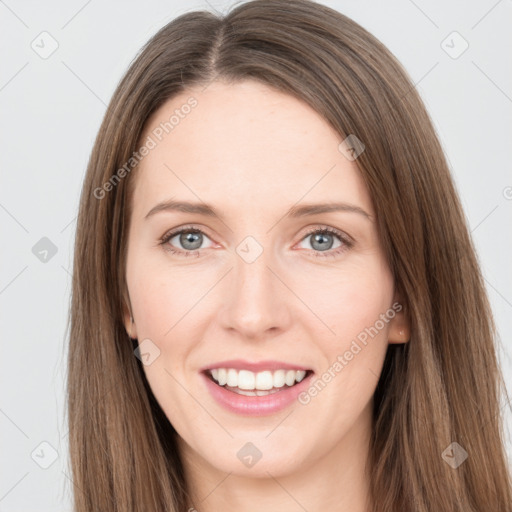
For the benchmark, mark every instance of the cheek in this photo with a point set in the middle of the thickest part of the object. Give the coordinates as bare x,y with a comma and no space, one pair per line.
161,296
349,299
162,303
354,355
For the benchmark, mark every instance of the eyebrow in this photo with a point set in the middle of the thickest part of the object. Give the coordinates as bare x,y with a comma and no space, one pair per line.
294,212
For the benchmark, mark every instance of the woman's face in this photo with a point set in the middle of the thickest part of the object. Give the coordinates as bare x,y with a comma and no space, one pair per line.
255,285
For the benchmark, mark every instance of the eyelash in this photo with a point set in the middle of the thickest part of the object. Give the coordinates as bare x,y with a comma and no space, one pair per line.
347,243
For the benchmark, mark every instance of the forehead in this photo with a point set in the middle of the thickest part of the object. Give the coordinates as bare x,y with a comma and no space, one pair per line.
244,142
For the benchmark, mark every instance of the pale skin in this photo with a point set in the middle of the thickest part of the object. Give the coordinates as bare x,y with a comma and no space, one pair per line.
252,153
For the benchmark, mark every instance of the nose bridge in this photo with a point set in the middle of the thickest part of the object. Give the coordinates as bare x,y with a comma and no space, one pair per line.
257,301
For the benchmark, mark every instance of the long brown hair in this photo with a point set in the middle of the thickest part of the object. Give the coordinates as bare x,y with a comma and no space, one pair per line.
443,386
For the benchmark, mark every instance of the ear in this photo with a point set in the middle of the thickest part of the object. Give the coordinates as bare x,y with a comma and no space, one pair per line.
399,326
128,321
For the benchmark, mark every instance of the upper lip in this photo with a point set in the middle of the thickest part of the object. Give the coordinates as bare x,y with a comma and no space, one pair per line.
240,364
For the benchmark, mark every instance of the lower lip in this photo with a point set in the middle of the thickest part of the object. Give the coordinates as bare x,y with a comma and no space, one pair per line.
256,405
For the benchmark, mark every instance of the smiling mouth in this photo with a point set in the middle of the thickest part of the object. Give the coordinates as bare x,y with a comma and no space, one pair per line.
261,389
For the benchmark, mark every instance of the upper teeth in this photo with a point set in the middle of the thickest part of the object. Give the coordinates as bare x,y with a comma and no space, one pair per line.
245,379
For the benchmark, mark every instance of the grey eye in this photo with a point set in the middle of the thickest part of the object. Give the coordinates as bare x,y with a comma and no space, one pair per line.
189,240
322,241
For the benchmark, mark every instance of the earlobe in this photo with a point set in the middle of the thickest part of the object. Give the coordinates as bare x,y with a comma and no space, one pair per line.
131,330
398,335
129,323
399,326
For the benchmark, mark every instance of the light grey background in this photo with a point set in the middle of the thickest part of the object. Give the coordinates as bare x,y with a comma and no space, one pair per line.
52,108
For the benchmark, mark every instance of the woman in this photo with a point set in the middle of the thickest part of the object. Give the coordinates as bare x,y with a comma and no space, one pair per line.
329,344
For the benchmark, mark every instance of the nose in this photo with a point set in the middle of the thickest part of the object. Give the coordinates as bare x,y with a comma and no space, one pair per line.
257,303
